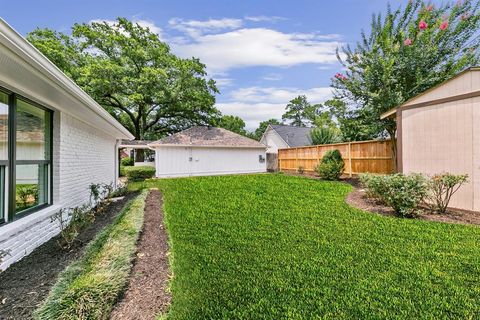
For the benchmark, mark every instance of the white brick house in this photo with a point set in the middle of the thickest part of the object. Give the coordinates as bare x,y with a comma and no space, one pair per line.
74,142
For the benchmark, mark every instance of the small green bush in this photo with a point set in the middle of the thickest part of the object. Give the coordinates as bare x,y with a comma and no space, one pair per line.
441,189
404,193
139,173
127,162
332,165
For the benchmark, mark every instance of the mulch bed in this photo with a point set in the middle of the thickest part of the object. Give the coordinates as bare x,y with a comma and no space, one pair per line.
25,285
147,294
358,200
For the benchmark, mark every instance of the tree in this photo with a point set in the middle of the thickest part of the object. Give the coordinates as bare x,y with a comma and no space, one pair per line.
233,123
323,135
409,51
262,127
133,75
299,112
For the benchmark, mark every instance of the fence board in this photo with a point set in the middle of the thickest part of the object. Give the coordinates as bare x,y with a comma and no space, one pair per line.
360,157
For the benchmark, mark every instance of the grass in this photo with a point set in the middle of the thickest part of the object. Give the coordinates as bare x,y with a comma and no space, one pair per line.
281,247
89,287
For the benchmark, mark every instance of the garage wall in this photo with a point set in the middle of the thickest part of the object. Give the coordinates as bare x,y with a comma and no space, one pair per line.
273,141
441,138
198,161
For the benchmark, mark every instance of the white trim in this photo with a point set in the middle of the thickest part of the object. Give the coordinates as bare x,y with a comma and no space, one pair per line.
22,224
26,51
154,146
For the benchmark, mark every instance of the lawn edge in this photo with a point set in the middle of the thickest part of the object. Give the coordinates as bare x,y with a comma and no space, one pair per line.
99,262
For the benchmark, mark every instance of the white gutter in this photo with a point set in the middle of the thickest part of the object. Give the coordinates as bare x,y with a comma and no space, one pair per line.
15,42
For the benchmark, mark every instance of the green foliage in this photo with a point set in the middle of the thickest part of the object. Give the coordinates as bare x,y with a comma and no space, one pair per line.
89,287
27,196
262,127
323,135
233,123
299,112
139,173
332,165
441,189
71,221
133,75
277,247
397,60
127,162
404,193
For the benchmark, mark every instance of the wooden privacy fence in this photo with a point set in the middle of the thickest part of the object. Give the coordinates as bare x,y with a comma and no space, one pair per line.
359,157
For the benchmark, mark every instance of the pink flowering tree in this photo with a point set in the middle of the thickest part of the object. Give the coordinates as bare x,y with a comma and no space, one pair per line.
406,52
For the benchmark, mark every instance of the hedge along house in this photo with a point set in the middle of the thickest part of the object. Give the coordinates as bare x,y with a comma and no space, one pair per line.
439,131
55,141
205,151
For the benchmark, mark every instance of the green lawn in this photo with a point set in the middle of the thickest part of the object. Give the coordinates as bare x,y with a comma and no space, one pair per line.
281,247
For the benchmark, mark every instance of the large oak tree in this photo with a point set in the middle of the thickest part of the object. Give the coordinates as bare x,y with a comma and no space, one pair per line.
133,75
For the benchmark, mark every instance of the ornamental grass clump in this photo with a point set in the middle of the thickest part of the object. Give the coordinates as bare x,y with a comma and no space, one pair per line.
441,189
332,165
404,193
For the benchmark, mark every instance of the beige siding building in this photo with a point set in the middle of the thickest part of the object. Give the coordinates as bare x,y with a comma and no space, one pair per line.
439,131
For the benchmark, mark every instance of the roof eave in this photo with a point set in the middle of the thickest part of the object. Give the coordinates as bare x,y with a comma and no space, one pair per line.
159,145
389,114
36,59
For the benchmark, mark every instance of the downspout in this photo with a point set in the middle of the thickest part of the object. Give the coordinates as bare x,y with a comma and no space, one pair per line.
117,164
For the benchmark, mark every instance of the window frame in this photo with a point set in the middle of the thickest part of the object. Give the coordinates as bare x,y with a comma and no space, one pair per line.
9,208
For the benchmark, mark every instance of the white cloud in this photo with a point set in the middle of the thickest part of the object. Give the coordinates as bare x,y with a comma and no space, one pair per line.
196,28
223,82
256,104
264,18
250,47
272,77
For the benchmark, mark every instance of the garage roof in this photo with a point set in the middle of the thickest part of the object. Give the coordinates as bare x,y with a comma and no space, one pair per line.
203,136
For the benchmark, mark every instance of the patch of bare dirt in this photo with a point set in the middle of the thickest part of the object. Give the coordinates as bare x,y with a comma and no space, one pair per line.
147,292
25,285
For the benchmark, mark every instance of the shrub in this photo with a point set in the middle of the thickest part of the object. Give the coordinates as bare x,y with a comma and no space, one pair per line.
139,173
331,166
71,221
404,193
27,195
127,162
441,189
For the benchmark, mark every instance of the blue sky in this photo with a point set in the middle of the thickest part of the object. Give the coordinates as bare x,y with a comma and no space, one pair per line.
262,53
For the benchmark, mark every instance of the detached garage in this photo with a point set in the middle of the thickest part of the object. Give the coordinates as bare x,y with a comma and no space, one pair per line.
203,151
439,131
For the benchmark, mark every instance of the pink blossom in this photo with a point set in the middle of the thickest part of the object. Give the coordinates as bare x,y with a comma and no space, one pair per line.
459,3
465,16
444,25
429,8
423,25
340,76
408,42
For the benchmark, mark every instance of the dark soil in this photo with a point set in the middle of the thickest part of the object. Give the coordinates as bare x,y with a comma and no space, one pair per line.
358,199
25,285
147,294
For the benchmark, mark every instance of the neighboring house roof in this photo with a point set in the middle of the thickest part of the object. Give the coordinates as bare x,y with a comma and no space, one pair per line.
293,136
135,144
200,136
28,72
392,112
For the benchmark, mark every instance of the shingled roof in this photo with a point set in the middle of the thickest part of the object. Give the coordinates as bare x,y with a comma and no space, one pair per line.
208,137
293,136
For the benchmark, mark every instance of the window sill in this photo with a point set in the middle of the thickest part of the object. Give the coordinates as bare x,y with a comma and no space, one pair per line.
14,227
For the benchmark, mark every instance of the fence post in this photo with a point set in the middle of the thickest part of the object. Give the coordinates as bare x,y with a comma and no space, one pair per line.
350,159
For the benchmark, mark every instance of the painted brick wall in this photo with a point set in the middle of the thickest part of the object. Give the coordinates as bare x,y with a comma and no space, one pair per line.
82,155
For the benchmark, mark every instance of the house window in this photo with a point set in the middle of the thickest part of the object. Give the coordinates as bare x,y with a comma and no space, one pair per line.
25,157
